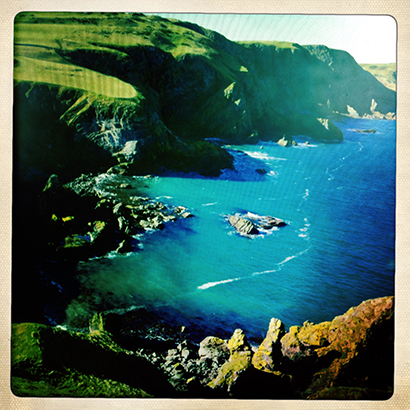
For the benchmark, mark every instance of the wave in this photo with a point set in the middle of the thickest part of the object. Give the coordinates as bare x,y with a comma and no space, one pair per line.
263,156
212,284
265,271
280,264
163,196
210,204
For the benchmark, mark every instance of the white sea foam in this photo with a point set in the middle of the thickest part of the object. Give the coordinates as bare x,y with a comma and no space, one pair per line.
265,271
164,196
211,203
212,284
264,156
306,194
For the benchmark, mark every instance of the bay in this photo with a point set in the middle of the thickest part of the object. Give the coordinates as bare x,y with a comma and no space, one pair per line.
337,249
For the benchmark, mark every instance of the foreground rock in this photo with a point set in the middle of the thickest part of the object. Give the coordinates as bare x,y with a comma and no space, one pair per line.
350,357
251,224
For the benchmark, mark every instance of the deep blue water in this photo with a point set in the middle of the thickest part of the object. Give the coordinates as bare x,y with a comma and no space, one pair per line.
337,250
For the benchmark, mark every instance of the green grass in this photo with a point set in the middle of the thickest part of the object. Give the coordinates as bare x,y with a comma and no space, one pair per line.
279,45
113,34
36,70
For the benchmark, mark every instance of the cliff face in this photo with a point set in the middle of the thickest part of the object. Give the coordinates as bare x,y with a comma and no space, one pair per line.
86,84
353,86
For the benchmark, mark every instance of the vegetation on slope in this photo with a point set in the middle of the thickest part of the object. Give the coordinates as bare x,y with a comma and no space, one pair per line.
385,73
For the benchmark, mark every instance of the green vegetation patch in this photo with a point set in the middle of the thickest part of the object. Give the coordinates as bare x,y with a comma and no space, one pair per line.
385,73
71,76
279,45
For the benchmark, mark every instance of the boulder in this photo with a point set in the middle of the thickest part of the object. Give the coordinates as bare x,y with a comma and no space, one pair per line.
213,348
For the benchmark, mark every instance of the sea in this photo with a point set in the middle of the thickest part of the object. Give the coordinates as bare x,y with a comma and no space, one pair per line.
337,249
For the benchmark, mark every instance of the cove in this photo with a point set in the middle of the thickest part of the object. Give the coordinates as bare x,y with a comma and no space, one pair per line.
337,249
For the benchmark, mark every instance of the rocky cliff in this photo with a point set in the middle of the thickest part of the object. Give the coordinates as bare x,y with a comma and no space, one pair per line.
350,358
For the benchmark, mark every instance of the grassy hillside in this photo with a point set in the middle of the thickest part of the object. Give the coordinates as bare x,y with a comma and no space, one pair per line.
92,82
385,73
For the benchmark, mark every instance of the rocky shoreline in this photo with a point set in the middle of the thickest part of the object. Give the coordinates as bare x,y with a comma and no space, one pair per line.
350,357
178,88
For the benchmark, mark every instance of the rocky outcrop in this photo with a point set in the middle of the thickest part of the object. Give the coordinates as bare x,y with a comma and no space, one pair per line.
249,224
238,363
349,358
268,353
91,216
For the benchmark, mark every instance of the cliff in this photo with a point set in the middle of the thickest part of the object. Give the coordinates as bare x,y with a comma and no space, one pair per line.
88,83
350,357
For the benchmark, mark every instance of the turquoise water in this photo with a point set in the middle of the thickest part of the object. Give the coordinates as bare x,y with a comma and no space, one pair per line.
336,251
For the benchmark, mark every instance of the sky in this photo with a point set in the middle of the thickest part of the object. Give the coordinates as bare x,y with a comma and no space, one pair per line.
369,39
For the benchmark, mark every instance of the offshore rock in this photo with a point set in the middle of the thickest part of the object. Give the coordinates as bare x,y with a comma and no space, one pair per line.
242,225
286,141
249,224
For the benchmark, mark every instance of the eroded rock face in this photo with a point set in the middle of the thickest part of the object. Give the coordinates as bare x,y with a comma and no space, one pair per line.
268,354
238,363
363,339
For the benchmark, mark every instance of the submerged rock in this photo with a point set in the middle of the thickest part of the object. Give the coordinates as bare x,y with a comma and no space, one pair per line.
371,131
